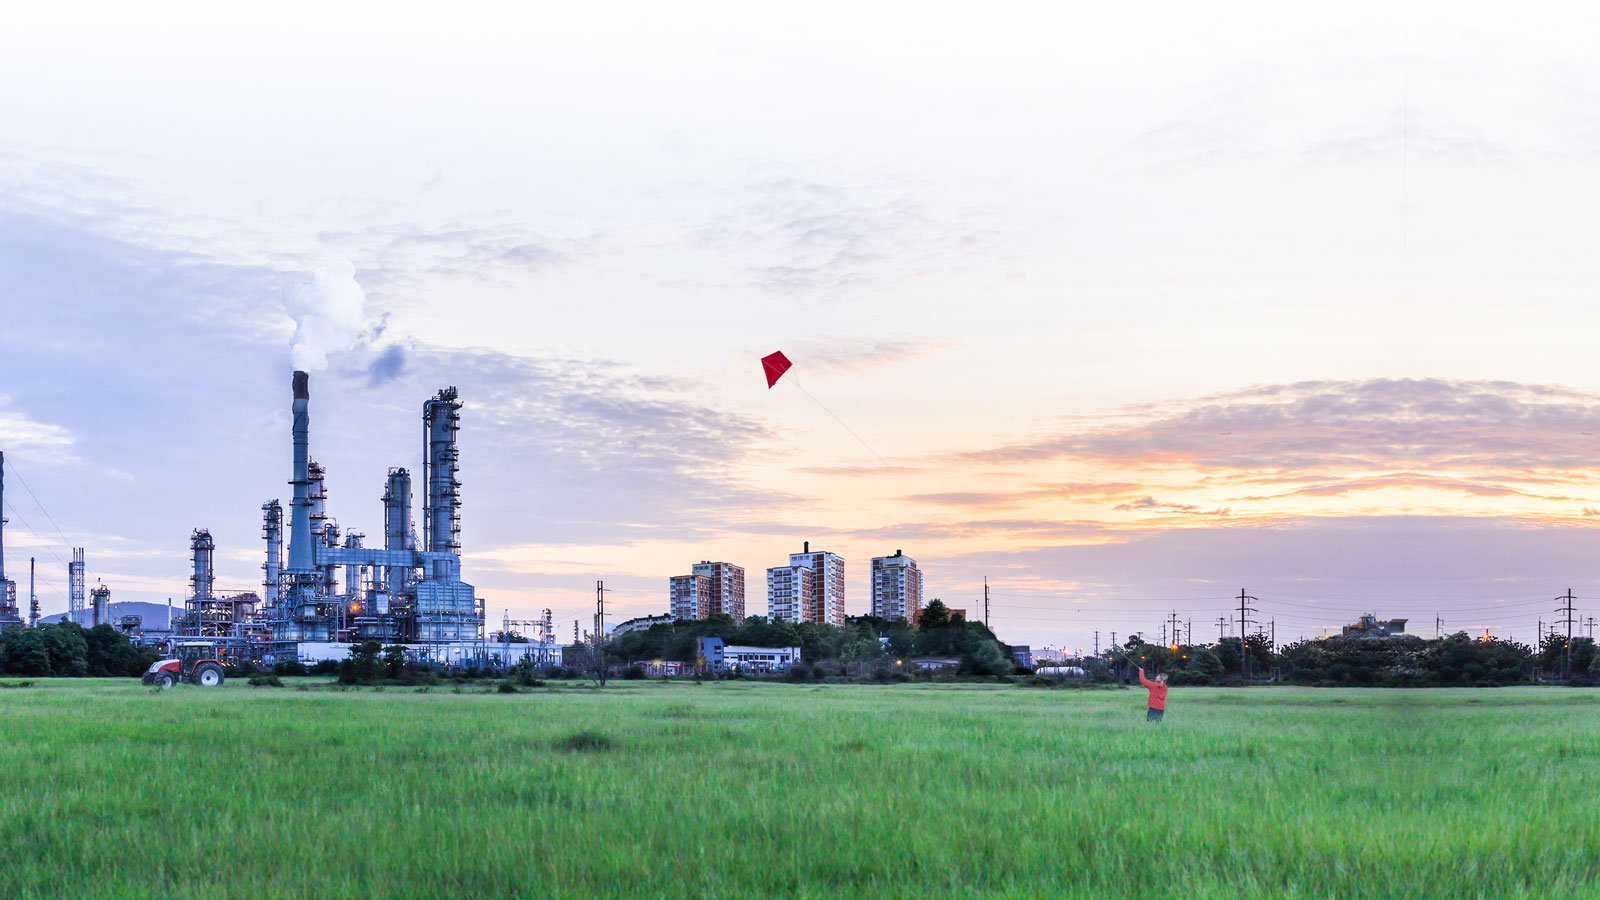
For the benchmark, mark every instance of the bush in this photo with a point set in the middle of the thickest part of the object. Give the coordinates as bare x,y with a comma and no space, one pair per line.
325,667
587,742
800,672
265,681
634,672
506,687
526,674
289,667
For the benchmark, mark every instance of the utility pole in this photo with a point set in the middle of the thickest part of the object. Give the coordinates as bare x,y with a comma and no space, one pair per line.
1174,620
1591,628
1566,651
986,603
1274,634
600,628
1436,623
1163,632
1222,627
1097,645
1245,609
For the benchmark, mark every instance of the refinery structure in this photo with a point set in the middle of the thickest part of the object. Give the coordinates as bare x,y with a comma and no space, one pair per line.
333,590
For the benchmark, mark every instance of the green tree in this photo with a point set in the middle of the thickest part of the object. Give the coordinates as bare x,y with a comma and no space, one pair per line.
394,660
934,615
362,665
990,659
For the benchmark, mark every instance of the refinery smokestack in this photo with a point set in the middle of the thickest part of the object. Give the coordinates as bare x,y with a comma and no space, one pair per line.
301,559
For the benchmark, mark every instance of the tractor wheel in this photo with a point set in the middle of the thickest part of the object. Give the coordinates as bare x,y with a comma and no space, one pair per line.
207,675
164,680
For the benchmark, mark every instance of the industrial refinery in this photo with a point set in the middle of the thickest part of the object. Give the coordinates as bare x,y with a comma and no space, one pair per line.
333,590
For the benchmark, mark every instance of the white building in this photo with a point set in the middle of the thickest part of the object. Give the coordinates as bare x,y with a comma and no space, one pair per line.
760,659
788,598
791,594
691,596
722,657
896,587
641,623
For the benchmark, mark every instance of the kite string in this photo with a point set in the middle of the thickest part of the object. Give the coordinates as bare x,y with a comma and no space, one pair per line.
796,382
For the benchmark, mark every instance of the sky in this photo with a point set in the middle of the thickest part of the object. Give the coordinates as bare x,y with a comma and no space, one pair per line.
1125,308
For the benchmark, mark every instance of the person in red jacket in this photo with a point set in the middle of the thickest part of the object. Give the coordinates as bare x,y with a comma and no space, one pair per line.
1158,696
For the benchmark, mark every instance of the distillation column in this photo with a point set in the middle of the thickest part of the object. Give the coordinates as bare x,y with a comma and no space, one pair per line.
272,530
397,531
442,509
102,604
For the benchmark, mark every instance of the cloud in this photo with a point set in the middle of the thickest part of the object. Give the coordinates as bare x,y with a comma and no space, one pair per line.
846,354
42,441
1011,498
804,236
1377,423
327,310
566,451
401,254
387,366
854,471
1153,505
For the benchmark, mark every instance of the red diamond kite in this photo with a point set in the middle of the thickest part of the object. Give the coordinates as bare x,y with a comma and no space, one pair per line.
775,365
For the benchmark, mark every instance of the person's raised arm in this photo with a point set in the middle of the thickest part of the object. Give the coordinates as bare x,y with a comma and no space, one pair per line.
1143,680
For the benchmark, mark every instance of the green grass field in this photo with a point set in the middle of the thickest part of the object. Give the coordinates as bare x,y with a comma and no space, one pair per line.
737,790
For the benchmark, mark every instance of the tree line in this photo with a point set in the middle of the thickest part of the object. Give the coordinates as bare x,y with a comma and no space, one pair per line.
67,649
1397,661
863,645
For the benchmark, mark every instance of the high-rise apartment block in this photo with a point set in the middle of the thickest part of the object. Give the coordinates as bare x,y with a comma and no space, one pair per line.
691,596
809,589
896,587
791,594
712,588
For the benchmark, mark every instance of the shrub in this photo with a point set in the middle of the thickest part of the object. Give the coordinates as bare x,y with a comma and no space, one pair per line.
289,667
265,681
525,673
634,672
587,742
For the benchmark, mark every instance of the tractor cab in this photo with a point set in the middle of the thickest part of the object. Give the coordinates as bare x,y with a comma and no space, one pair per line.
193,662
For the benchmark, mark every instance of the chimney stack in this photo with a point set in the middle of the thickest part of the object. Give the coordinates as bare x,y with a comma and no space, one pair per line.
301,558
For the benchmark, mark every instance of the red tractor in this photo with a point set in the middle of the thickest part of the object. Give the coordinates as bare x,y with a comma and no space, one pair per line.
195,663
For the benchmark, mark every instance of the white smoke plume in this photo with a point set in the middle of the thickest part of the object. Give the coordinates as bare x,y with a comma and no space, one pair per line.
327,312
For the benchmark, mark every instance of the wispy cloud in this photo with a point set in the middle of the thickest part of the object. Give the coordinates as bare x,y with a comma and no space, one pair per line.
1415,423
840,353
806,236
1151,504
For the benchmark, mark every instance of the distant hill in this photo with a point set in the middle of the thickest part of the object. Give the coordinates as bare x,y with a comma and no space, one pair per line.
154,614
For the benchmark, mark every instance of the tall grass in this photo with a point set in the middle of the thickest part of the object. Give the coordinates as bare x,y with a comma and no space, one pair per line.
736,790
